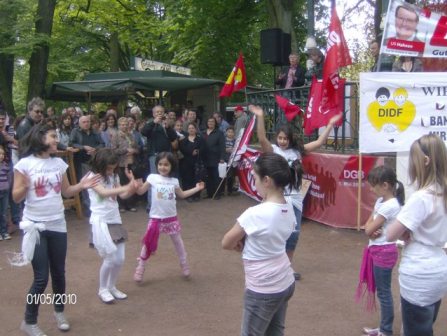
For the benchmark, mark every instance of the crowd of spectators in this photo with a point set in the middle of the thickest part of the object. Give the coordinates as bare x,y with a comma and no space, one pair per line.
136,139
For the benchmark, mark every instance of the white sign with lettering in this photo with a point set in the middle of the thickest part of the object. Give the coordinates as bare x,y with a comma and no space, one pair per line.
398,108
145,64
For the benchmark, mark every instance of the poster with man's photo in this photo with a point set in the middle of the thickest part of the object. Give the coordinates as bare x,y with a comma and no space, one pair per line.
413,31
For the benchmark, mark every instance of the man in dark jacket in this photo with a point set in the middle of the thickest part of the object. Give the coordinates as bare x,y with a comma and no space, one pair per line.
36,106
161,139
292,75
87,141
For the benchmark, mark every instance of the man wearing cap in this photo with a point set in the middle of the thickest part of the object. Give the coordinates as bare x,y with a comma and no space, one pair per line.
241,119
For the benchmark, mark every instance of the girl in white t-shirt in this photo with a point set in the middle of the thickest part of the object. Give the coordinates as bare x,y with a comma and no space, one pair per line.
41,180
163,213
380,256
109,236
292,151
422,223
261,233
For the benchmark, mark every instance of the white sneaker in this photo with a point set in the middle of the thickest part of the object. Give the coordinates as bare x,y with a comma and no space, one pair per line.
106,296
61,321
117,294
371,331
31,329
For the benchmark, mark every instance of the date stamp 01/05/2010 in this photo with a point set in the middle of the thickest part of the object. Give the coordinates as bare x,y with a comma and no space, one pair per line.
51,298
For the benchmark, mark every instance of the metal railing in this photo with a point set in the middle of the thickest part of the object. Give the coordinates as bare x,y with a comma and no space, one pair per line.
343,139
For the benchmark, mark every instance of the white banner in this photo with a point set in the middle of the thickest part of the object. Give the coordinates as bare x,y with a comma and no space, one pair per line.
145,65
398,108
413,31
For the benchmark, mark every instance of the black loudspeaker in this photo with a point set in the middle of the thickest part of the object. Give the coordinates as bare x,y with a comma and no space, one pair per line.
271,46
286,48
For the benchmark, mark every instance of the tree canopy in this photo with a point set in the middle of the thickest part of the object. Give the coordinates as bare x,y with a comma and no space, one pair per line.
38,47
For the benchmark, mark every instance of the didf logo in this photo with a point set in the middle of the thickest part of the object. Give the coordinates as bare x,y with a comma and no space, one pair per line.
351,169
391,113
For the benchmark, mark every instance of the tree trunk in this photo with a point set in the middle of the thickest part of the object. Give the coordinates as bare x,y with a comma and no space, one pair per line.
39,58
114,52
6,76
280,16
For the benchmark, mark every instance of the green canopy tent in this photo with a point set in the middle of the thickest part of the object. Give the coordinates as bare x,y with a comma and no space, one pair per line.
106,86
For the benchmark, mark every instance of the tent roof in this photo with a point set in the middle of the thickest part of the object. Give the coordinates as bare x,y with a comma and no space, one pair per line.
110,85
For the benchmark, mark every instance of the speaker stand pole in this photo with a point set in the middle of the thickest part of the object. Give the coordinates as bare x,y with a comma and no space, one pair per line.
274,77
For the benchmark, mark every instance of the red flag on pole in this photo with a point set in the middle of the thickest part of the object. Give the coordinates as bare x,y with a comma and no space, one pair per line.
237,79
315,116
326,97
290,110
337,56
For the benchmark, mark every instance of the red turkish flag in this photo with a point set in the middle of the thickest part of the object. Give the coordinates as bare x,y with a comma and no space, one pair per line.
237,79
337,56
290,110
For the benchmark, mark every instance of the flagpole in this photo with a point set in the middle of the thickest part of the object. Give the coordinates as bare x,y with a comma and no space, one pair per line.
231,162
231,80
359,191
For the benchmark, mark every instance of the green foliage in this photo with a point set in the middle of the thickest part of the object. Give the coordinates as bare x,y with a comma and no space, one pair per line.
206,36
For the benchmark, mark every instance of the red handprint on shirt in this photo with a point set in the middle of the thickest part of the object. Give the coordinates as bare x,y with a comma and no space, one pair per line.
40,186
58,186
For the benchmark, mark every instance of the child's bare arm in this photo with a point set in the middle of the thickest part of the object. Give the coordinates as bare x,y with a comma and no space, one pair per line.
143,187
234,238
397,231
372,225
20,187
87,181
260,128
105,192
184,194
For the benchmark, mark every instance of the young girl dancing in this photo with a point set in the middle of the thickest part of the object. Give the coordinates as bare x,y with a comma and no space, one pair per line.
261,233
380,256
163,213
422,224
40,179
288,148
109,236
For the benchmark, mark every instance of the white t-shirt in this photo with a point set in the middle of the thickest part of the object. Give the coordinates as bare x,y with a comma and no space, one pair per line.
267,226
389,210
43,201
163,196
423,266
107,208
292,196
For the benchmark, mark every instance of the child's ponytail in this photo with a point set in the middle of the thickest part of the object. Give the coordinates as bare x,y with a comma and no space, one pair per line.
399,192
385,174
296,170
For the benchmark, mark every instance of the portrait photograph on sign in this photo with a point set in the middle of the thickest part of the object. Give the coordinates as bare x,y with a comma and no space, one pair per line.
414,31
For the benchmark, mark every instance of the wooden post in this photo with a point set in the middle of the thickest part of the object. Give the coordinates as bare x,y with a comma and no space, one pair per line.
76,200
359,192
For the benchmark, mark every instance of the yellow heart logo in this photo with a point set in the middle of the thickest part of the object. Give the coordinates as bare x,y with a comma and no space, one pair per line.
398,111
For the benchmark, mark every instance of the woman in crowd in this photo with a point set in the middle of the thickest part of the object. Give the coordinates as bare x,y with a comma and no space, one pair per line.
110,130
214,154
191,147
64,131
407,64
140,164
124,145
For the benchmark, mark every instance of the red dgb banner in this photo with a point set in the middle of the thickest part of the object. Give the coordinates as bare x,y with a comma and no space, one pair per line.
332,196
